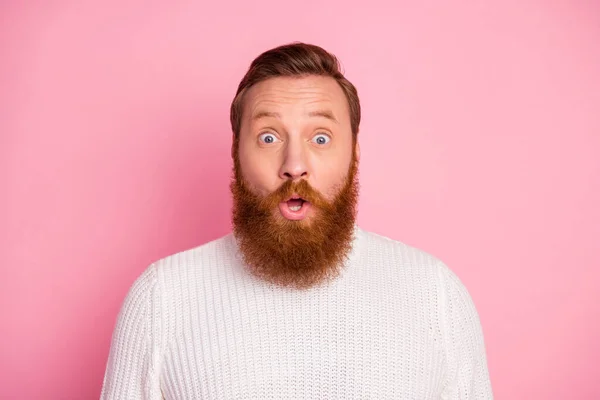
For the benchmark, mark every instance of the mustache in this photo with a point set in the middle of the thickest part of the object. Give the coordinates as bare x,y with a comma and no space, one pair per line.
289,188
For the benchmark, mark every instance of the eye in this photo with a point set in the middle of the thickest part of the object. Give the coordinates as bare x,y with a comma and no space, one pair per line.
268,138
321,139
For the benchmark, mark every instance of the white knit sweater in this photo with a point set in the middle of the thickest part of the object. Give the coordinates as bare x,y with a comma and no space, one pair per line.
397,324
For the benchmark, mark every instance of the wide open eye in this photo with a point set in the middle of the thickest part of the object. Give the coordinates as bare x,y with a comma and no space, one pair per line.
268,138
321,139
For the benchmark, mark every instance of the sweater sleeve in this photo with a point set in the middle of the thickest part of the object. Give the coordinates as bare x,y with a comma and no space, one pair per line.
468,376
132,369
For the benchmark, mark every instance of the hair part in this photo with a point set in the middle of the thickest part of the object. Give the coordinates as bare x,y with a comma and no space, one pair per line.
294,60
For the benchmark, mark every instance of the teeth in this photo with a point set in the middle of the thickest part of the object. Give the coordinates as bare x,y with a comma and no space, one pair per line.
295,208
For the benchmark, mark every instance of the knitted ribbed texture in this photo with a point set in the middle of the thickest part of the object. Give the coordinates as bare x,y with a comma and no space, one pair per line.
397,324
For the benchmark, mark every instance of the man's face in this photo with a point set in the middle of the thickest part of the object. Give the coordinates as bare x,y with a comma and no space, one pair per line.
295,129
295,188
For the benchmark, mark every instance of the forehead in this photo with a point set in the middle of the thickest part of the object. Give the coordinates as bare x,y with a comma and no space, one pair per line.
290,95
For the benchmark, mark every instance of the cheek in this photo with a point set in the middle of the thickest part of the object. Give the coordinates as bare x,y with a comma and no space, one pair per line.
258,174
332,182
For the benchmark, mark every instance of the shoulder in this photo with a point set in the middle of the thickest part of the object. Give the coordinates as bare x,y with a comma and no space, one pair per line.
417,266
200,259
398,254
167,281
167,274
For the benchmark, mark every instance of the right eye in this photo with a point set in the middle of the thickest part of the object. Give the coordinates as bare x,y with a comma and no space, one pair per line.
268,138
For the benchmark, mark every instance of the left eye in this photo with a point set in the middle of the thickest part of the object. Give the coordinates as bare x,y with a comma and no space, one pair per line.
321,139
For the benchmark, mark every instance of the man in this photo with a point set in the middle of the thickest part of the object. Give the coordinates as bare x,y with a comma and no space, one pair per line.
298,302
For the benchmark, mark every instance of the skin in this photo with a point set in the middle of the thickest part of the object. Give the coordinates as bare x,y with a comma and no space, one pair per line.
296,128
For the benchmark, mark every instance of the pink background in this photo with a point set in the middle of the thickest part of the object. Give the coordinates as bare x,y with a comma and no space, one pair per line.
480,144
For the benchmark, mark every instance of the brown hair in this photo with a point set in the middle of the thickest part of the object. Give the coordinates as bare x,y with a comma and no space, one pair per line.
294,59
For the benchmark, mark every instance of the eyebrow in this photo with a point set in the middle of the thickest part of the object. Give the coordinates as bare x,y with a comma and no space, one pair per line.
265,114
325,114
319,113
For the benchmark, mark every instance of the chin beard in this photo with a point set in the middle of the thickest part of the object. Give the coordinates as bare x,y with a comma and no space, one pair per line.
297,254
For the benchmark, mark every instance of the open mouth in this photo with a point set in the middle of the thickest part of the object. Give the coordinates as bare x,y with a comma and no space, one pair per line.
295,208
295,203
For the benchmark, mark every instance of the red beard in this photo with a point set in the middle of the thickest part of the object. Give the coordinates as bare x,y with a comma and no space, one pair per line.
298,254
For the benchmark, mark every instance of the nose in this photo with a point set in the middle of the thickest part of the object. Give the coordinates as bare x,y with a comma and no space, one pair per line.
294,165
